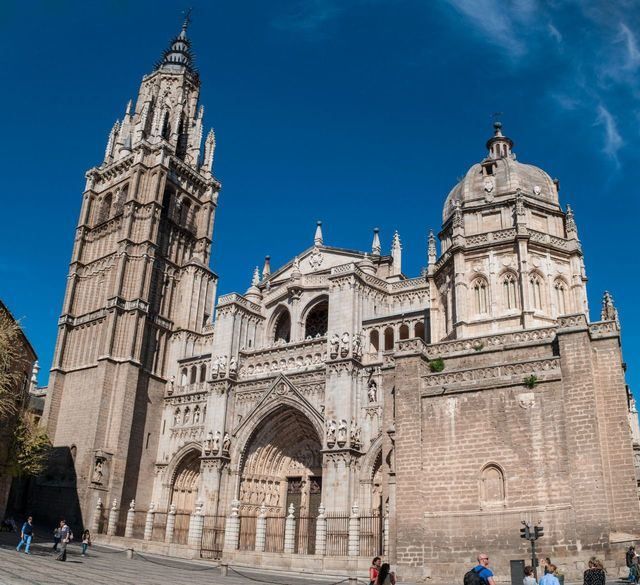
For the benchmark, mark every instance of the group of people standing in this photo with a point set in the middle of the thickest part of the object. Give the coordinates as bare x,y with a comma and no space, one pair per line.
62,536
380,573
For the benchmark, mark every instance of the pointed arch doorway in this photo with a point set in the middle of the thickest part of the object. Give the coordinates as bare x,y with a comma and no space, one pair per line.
282,465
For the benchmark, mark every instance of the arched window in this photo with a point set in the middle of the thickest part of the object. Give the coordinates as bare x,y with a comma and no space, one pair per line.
480,289
404,331
388,339
183,377
317,321
561,296
194,375
166,128
185,212
282,331
509,297
492,485
418,330
203,372
374,341
105,208
536,291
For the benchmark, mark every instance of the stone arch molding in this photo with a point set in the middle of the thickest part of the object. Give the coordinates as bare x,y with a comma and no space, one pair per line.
281,393
368,462
174,465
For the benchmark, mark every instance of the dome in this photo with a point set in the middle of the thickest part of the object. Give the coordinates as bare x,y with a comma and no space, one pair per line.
499,176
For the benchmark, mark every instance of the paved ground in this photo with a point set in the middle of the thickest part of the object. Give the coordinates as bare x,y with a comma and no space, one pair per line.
104,566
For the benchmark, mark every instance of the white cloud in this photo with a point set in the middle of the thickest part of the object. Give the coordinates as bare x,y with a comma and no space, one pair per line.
612,140
554,33
308,15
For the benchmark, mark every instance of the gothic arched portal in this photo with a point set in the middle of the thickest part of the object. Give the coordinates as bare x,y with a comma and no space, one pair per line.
184,488
282,465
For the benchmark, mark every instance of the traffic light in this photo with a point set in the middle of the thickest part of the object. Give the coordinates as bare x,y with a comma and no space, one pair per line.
538,531
525,532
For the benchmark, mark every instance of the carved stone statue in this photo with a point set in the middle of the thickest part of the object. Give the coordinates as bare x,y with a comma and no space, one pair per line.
345,341
215,367
357,346
208,443
233,365
342,431
335,344
353,431
98,472
226,443
215,448
222,360
372,393
331,432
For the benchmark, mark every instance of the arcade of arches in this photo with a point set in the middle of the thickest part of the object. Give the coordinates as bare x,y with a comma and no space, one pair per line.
282,465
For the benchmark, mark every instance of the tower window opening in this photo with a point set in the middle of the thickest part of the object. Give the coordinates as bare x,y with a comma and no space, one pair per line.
536,291
480,290
283,328
317,321
561,297
509,291
388,339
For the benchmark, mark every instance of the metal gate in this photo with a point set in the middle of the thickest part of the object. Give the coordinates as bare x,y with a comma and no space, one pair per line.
212,537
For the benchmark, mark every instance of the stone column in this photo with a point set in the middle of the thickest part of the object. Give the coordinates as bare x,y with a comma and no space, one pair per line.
354,531
171,524
148,523
290,531
196,524
321,531
131,514
113,518
385,542
232,528
261,529
97,515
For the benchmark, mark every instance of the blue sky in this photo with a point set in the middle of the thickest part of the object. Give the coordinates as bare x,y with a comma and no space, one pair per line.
360,113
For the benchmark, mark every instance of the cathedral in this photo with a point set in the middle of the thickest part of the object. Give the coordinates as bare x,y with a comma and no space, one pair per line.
372,412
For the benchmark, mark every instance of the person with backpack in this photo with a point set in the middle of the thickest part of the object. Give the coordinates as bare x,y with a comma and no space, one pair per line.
481,574
66,536
629,558
26,534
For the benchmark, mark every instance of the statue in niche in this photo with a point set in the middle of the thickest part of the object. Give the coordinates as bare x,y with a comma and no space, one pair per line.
342,431
372,392
208,443
331,432
345,344
335,344
226,443
215,367
98,471
216,442
222,361
196,415
354,433
357,346
186,416
233,365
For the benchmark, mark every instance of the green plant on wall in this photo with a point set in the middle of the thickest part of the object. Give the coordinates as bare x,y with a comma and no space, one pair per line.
531,381
436,365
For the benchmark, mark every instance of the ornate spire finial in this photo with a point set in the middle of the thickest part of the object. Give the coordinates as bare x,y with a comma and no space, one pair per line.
396,255
178,56
209,150
432,252
256,277
572,229
609,311
376,248
317,239
266,269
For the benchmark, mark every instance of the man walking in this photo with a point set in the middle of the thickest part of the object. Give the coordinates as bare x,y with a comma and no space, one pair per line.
65,537
481,574
26,534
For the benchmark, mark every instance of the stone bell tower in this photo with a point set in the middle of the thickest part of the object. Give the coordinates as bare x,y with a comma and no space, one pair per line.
139,290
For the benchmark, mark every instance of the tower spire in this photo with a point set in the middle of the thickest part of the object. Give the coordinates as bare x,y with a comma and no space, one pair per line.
396,255
179,57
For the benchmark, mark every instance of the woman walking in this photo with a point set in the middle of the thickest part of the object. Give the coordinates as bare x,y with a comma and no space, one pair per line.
374,569
385,576
86,542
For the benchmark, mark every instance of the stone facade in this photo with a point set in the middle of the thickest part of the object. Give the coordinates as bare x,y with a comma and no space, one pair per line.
461,401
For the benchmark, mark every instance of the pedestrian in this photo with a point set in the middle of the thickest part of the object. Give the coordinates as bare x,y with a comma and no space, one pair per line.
374,569
529,579
549,575
56,537
86,542
629,556
595,574
481,574
65,538
385,575
26,534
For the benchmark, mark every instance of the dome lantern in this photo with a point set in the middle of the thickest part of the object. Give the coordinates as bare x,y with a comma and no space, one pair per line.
499,146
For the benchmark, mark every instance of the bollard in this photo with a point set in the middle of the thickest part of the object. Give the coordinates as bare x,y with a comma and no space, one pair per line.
224,569
129,553
148,523
113,518
131,514
171,524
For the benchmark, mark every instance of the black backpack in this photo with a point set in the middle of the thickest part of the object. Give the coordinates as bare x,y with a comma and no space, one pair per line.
472,577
